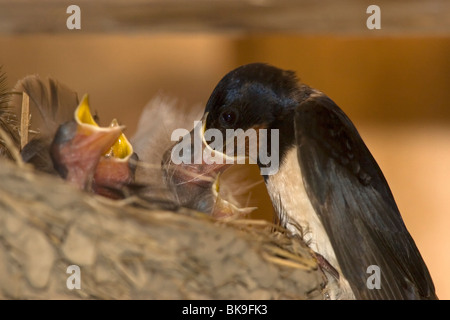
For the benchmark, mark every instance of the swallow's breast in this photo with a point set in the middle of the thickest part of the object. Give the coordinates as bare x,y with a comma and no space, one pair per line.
288,193
292,204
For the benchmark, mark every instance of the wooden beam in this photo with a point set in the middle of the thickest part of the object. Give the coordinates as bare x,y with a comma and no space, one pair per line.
415,17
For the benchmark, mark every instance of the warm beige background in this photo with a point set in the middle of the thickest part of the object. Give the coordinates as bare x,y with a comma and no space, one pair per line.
396,90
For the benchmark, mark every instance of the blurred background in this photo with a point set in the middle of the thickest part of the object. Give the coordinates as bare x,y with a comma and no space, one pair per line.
394,83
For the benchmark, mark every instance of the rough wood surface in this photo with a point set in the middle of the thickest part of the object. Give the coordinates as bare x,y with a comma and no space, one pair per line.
133,252
415,17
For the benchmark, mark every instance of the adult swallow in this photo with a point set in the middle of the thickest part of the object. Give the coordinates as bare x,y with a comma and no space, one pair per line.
328,186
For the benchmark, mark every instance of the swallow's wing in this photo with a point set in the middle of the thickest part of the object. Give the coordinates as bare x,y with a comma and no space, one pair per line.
353,200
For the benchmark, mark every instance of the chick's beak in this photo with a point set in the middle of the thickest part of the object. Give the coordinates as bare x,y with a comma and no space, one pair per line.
90,137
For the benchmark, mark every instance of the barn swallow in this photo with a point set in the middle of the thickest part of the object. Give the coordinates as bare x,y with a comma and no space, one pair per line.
328,187
116,168
79,144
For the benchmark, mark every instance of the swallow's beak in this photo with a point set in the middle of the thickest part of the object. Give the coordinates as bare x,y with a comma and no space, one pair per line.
198,166
79,144
116,168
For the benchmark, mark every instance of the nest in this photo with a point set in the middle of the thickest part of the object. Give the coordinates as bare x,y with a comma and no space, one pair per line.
131,249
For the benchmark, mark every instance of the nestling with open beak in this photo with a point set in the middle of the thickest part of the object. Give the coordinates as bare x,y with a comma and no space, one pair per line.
79,144
116,168
196,184
66,140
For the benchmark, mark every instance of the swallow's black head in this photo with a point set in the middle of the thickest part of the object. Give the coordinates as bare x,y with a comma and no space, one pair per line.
255,95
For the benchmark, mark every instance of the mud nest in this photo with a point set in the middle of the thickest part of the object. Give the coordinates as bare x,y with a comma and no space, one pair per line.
131,249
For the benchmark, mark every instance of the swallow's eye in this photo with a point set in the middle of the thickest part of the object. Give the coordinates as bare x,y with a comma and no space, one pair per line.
228,118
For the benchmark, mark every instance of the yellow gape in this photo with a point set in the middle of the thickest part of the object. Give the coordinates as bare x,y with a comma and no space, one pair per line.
83,114
122,149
